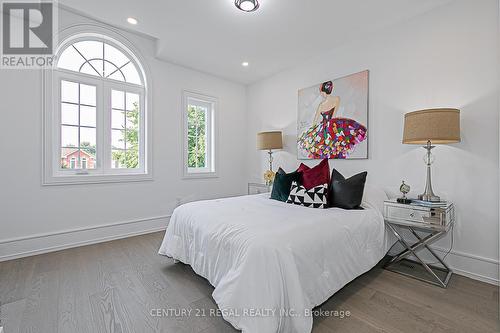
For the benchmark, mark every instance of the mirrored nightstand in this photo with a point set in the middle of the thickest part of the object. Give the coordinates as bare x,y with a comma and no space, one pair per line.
426,225
257,188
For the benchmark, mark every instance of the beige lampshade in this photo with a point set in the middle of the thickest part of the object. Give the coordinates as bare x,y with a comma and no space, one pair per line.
269,140
440,126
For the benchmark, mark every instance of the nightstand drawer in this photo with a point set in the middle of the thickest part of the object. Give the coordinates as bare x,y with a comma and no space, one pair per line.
402,213
407,214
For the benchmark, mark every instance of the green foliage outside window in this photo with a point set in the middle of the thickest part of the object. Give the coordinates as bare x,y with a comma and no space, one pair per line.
88,148
197,136
129,158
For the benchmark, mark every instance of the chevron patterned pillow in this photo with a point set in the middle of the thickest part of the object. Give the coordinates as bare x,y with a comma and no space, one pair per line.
314,197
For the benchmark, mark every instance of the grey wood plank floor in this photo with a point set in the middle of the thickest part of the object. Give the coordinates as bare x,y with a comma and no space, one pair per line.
114,286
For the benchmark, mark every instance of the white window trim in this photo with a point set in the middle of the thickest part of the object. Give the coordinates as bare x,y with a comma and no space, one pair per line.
212,171
50,132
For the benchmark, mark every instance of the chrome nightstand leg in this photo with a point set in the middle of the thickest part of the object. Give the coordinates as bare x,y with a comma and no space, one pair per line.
415,247
411,249
429,249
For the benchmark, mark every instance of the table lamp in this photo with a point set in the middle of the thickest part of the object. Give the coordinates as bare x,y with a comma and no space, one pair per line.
269,141
431,126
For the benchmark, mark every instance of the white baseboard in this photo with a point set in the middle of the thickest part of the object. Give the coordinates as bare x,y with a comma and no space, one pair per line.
472,266
14,248
475,276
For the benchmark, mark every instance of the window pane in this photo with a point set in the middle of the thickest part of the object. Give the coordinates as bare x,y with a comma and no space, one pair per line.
89,154
88,69
118,139
132,120
115,56
117,119
69,92
98,65
115,60
69,114
118,99
112,72
87,137
70,59
118,75
87,116
132,161
196,137
87,95
131,74
132,102
67,155
90,49
132,134
117,159
125,159
93,52
69,136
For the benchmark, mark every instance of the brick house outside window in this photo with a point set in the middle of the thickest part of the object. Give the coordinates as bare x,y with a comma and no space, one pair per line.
73,158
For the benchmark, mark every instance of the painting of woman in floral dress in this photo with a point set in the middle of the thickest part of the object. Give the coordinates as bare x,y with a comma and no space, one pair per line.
339,112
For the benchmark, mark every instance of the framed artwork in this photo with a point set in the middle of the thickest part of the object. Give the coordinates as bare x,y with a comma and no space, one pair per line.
333,119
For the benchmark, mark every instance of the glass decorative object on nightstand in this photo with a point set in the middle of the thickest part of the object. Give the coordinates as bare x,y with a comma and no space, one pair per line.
405,189
257,188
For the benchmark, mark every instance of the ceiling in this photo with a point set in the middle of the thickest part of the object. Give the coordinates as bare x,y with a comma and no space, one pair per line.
213,36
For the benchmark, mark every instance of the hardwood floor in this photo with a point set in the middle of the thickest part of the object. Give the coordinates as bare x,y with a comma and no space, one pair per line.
114,287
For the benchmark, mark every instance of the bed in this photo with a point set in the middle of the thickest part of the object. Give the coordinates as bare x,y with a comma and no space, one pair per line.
272,262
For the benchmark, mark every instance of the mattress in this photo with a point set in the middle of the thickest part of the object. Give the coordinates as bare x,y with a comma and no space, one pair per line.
272,262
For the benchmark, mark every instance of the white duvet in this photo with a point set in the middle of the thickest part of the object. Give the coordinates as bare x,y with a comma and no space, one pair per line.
271,262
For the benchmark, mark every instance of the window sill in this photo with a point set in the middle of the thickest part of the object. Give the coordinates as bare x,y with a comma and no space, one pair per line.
95,179
200,175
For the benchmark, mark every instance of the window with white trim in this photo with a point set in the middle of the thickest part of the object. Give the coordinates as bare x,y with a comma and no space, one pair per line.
97,113
199,135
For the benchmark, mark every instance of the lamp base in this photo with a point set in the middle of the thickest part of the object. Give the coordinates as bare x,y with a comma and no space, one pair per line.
428,194
429,197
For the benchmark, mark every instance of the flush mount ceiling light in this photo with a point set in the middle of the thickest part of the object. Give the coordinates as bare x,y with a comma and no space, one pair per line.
132,20
245,64
247,5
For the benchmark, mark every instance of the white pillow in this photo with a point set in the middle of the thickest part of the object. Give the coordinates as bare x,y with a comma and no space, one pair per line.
373,197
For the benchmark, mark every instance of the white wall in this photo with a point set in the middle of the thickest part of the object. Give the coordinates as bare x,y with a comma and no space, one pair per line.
28,209
444,58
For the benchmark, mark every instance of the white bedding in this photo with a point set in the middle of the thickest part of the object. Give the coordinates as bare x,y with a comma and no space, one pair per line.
270,262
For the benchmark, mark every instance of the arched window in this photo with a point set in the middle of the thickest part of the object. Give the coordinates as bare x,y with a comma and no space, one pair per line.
99,58
99,108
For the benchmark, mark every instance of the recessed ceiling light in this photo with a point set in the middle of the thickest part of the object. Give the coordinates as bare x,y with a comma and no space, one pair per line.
247,5
245,64
132,20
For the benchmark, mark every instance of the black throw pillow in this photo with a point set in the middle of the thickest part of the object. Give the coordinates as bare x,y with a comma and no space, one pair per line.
282,184
346,193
